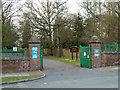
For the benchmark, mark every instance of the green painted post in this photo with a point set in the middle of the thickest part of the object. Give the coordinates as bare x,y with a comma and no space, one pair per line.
89,55
80,55
41,57
116,45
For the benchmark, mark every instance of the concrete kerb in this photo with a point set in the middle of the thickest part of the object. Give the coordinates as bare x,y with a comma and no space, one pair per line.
24,80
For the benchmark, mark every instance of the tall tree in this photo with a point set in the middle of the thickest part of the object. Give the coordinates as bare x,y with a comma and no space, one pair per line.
43,18
60,11
7,25
79,29
26,34
100,20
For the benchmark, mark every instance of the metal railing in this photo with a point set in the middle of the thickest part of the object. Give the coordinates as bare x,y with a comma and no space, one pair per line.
9,54
110,47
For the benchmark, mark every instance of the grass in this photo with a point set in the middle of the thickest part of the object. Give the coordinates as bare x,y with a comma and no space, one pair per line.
65,60
14,71
12,79
117,70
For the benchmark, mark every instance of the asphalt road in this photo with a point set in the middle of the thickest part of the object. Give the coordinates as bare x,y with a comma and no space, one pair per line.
62,75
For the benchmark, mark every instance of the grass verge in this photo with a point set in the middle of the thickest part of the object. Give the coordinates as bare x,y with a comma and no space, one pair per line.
12,79
117,70
65,60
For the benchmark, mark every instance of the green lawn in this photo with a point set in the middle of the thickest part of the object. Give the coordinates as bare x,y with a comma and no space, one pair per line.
11,79
65,60
117,70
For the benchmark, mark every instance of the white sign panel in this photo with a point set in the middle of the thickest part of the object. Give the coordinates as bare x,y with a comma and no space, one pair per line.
14,48
85,53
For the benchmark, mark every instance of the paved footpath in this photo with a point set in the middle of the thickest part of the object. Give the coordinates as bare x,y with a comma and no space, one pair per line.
62,75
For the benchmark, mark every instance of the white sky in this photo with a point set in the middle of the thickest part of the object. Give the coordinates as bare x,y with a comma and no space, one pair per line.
72,5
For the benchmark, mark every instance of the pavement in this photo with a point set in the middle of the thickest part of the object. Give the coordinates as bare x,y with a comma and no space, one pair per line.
109,68
37,73
63,75
14,74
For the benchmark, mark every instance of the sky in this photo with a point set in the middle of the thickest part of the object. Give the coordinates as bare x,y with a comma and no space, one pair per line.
73,7
71,4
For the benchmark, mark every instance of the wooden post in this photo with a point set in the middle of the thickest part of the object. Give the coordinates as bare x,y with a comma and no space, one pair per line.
72,55
76,55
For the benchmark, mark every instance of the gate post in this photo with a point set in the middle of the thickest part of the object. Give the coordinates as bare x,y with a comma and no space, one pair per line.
34,52
95,52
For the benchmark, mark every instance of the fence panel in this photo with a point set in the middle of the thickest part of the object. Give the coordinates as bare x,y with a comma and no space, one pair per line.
110,47
15,55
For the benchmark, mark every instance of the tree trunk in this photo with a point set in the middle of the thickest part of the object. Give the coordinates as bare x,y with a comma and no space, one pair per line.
58,44
119,23
50,46
119,28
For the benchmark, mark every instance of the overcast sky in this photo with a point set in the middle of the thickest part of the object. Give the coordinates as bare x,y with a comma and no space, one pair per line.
72,5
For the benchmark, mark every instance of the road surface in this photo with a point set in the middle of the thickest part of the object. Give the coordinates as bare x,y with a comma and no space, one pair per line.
62,75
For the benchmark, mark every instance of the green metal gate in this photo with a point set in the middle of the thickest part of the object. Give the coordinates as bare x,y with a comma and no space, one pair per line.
41,57
85,56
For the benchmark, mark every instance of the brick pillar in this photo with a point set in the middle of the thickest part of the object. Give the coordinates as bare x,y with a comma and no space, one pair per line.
95,52
34,52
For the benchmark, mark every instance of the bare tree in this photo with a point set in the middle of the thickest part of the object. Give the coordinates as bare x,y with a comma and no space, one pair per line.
8,11
60,10
44,15
101,15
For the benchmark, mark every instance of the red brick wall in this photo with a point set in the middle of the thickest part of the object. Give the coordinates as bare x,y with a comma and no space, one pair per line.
15,66
104,59
95,61
34,63
110,59
22,65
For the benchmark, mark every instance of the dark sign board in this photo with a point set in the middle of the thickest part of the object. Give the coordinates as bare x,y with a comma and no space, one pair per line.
74,49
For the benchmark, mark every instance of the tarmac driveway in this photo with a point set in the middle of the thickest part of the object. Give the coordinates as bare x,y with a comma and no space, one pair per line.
62,75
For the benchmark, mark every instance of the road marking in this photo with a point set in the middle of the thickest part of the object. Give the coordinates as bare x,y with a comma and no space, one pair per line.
7,86
45,83
4,87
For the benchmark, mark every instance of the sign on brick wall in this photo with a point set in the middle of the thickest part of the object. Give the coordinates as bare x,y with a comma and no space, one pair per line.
96,52
34,52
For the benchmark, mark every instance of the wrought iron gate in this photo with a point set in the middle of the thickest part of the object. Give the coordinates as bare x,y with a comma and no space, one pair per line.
85,56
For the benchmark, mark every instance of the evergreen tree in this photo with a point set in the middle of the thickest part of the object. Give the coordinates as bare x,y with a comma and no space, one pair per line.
78,29
26,34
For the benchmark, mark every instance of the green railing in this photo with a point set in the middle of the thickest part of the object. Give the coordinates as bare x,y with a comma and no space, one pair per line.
110,47
14,55
118,47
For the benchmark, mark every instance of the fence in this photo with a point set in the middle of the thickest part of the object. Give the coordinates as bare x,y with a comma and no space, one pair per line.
110,47
15,55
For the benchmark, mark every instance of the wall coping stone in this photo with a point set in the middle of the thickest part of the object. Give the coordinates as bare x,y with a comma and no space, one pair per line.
110,52
15,58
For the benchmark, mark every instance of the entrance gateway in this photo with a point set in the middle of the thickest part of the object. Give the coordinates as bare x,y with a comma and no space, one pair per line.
85,56
90,56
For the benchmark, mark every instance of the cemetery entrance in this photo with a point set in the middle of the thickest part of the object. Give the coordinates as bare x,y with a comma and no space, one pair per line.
85,56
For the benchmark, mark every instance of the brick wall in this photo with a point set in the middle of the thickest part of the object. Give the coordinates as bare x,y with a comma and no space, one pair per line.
110,59
15,65
34,63
104,58
95,61
24,65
